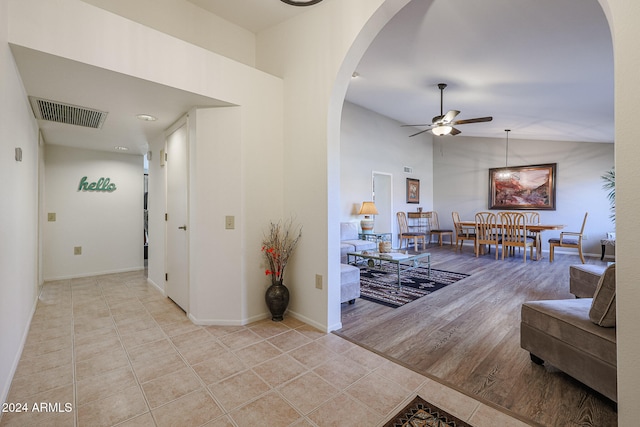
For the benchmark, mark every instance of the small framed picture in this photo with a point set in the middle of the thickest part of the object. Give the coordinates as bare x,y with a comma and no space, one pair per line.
413,190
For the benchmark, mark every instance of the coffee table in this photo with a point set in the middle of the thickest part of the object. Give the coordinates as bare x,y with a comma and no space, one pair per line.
402,260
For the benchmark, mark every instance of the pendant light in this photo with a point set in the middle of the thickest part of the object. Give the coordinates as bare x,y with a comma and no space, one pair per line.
505,173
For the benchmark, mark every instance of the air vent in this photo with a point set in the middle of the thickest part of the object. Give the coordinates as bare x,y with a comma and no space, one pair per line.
54,111
408,169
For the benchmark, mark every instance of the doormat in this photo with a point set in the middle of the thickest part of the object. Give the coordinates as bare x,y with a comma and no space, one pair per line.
420,413
382,286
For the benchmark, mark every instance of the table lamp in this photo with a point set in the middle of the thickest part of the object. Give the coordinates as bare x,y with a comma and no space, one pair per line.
368,209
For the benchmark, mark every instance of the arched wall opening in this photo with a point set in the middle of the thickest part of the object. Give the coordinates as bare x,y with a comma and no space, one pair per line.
621,17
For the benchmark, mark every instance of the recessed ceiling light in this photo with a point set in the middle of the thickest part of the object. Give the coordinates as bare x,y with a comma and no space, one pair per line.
121,148
146,117
301,2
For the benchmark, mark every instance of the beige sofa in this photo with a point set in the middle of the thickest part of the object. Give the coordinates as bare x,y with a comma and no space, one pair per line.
584,278
577,336
350,241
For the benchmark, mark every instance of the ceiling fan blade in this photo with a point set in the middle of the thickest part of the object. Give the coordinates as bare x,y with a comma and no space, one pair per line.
424,124
454,131
477,120
451,114
418,133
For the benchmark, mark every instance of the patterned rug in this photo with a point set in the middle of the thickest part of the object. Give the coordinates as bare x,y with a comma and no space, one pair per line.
421,413
382,286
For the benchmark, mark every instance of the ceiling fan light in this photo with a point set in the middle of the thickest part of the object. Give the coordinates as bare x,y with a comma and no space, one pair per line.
442,130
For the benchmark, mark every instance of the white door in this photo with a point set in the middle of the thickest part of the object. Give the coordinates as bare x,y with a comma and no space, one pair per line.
383,198
177,230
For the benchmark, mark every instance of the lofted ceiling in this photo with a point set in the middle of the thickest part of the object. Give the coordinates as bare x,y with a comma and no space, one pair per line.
542,68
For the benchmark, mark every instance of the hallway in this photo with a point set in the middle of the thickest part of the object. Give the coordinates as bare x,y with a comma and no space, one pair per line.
111,350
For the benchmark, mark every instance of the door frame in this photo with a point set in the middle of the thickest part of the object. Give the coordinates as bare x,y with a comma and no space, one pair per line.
182,121
387,207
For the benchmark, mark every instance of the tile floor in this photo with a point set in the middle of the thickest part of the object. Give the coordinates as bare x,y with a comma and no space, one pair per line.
111,350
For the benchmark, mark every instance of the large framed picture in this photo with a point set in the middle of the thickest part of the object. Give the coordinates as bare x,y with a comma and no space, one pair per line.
523,187
413,190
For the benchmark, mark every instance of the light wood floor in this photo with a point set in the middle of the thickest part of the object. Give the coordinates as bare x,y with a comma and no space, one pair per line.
468,335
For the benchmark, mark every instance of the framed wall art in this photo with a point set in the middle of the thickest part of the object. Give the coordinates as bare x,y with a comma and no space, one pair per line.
413,190
523,187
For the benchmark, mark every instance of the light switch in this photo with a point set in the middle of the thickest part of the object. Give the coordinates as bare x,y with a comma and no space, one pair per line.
229,222
51,216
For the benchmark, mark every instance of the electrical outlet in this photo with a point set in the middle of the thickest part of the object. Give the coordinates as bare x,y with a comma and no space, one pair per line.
51,216
318,281
77,250
585,236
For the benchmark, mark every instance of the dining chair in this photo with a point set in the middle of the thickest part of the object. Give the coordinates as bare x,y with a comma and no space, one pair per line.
434,228
487,231
569,239
403,227
532,217
514,234
463,233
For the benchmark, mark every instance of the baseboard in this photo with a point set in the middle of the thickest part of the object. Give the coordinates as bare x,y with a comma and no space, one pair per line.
227,322
96,273
14,365
155,285
313,323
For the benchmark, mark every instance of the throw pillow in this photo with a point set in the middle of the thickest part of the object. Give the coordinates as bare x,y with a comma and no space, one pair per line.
603,307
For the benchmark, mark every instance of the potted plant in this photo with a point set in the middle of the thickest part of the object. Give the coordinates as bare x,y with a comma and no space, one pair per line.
609,179
277,246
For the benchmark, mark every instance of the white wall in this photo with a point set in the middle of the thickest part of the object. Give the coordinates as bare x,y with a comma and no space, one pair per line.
453,172
371,142
461,180
623,18
18,212
107,225
69,28
316,52
186,21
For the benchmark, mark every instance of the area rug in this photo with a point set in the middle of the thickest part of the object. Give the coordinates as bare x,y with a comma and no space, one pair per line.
382,286
420,413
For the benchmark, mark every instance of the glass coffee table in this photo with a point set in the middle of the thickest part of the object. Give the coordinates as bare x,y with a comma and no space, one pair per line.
401,259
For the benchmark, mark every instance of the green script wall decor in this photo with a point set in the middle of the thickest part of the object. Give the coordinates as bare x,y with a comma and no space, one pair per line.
103,184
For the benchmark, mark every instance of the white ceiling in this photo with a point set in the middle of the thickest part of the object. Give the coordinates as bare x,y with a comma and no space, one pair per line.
543,68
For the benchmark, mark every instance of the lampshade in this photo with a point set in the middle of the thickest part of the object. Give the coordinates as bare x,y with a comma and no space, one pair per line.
368,208
442,130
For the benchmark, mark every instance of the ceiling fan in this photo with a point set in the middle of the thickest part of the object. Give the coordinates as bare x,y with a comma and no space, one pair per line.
443,124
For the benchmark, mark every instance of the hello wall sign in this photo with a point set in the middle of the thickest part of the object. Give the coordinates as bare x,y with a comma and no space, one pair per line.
102,185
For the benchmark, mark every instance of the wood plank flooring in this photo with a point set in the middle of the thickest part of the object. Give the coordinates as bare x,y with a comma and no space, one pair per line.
468,335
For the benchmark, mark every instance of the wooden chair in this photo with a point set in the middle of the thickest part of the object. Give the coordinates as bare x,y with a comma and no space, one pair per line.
487,231
569,239
532,217
434,228
403,228
514,234
463,233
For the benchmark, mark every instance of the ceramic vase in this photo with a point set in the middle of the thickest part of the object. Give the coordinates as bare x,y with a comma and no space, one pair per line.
277,299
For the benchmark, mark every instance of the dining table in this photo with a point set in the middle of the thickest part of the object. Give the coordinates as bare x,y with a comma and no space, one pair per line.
534,228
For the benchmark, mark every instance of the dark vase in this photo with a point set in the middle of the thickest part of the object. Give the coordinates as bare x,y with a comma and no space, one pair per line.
277,299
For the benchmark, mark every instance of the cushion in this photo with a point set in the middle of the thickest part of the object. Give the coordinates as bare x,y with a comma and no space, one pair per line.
565,241
603,307
348,231
584,278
